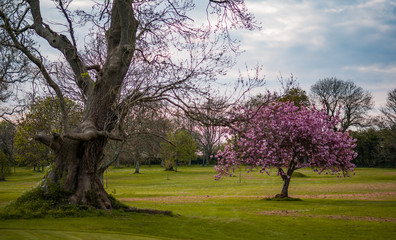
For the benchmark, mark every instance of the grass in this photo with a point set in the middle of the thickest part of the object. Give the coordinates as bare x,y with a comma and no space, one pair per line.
360,207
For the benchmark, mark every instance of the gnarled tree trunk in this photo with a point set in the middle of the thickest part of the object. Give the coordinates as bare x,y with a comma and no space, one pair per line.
79,152
76,170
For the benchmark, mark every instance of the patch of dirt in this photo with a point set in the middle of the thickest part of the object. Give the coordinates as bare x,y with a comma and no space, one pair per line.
334,188
353,196
176,199
374,196
299,213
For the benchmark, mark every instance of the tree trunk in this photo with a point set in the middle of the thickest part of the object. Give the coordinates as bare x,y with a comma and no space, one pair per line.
176,165
76,171
9,164
286,182
137,167
285,189
117,162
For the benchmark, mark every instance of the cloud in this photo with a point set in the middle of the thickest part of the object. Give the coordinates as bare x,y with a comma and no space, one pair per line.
375,68
287,24
351,40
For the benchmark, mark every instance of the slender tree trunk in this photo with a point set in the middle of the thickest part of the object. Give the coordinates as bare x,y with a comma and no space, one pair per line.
176,163
9,164
285,188
137,166
286,182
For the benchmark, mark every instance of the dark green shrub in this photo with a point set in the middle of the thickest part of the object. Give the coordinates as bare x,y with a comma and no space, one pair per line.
298,175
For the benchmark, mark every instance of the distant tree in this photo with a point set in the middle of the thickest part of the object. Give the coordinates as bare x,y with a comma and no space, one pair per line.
27,152
3,166
388,145
290,91
7,132
376,147
256,101
287,138
296,95
346,96
387,125
144,130
43,117
389,111
368,147
148,129
207,136
181,147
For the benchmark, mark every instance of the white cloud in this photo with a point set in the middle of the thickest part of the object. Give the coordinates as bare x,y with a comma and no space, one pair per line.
81,4
375,68
351,40
287,24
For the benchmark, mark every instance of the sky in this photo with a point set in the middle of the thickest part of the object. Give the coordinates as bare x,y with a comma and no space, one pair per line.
347,39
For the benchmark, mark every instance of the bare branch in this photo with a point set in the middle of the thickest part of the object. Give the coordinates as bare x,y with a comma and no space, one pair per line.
39,64
88,132
54,141
61,43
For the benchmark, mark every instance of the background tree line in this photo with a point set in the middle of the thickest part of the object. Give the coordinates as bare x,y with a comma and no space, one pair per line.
156,137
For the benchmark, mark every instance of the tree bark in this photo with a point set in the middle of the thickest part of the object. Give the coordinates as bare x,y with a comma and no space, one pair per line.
137,167
286,181
76,171
285,189
79,152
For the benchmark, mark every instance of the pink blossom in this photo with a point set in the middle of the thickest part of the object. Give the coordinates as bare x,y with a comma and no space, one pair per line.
286,137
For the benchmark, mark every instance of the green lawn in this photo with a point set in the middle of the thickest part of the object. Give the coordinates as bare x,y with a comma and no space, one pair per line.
360,207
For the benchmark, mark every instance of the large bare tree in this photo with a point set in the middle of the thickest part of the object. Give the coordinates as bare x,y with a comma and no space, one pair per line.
352,101
135,51
389,111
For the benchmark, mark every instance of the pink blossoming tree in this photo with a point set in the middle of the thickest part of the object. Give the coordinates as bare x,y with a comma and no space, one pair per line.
286,137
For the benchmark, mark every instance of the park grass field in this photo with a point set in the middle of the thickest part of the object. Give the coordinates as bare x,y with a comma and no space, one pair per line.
360,207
